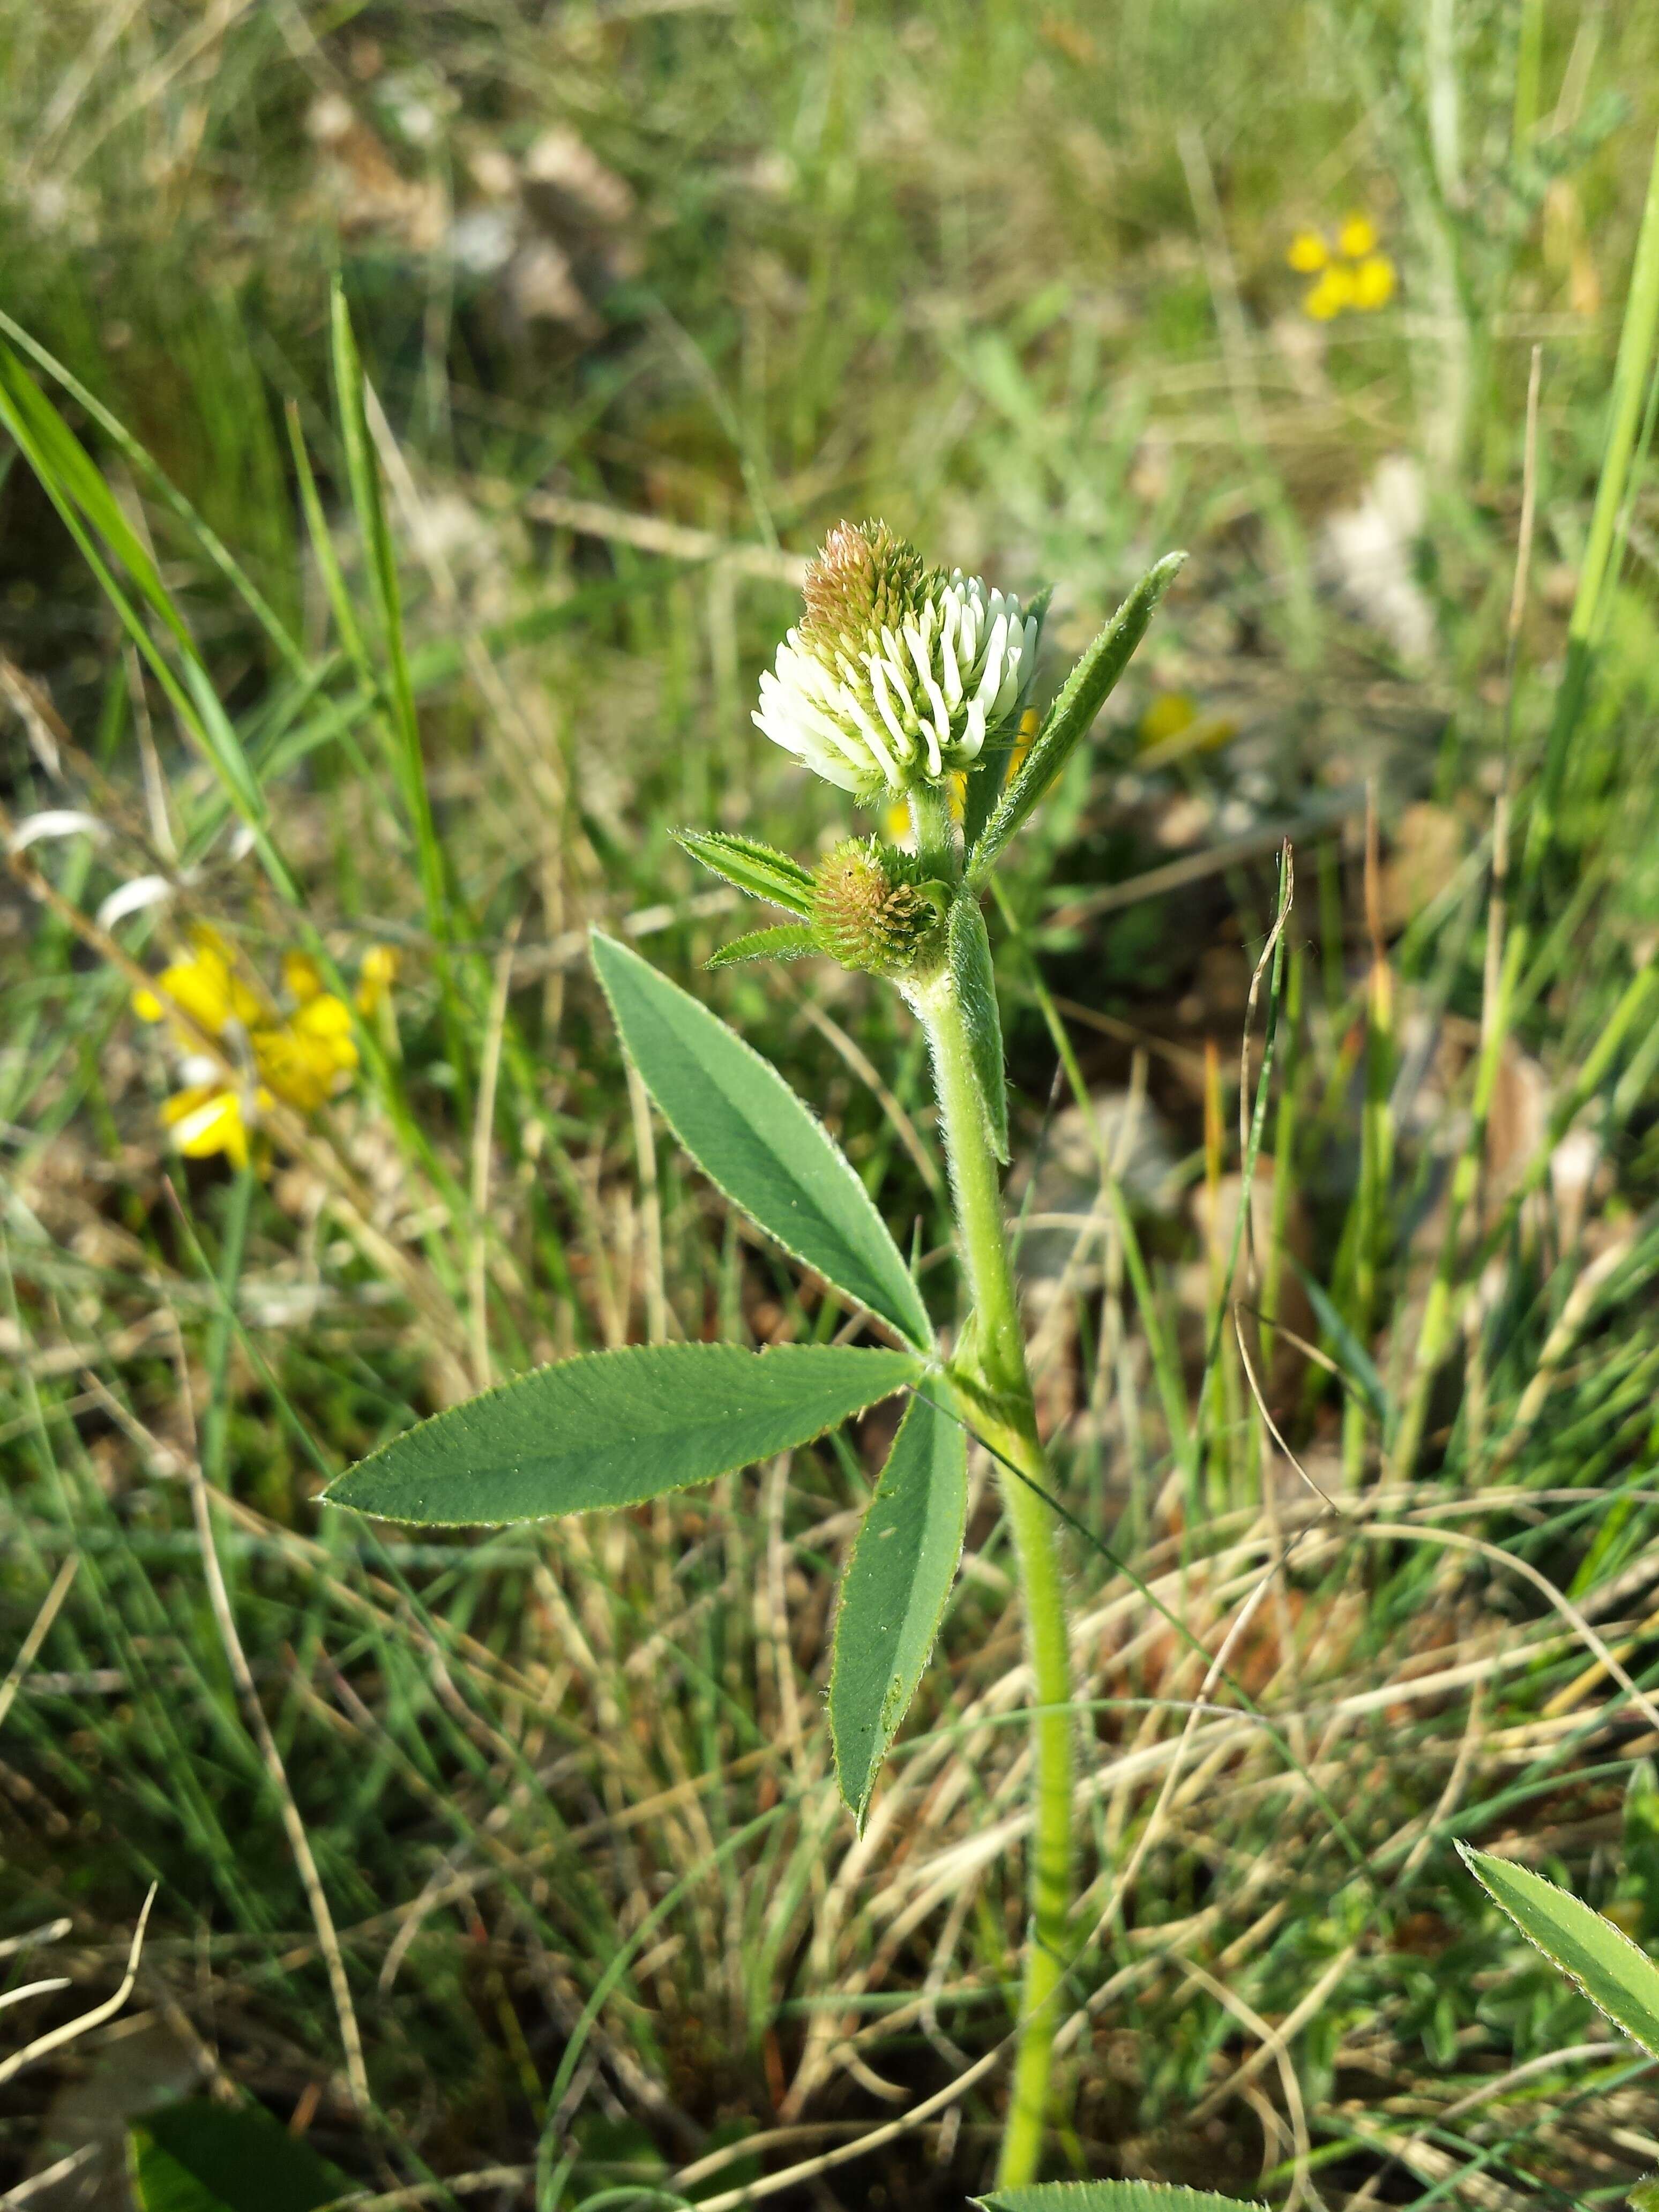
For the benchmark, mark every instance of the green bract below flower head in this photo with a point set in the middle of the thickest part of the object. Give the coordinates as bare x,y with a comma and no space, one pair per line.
896,674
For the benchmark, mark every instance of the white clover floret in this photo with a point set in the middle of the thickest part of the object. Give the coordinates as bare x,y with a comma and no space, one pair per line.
896,678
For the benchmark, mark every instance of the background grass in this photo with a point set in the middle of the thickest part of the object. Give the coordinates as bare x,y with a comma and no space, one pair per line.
1014,277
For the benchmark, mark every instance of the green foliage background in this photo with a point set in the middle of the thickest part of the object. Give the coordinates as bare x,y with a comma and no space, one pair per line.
1014,277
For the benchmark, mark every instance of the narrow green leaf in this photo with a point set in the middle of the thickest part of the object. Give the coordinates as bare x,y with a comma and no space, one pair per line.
793,940
41,431
1358,1368
893,1594
369,503
613,1428
144,465
327,556
750,1134
199,2156
759,870
72,482
1081,697
1616,1977
1111,2196
92,514
969,949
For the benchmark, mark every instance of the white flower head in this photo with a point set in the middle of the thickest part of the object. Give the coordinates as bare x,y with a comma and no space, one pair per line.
896,675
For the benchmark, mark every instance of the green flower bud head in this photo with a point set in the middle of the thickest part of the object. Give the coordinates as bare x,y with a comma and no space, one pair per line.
895,674
869,913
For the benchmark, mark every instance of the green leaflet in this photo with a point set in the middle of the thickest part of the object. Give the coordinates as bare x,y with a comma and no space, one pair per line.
199,2156
759,870
792,940
970,952
614,1428
893,1594
750,1134
1110,2197
1080,699
1616,1977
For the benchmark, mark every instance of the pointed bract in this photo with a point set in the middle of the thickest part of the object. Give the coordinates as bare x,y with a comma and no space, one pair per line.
758,870
1068,720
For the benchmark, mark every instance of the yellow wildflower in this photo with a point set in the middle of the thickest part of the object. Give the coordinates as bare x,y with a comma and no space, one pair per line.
303,977
1329,297
206,986
1175,715
1374,282
1357,238
302,1059
1353,271
1307,253
375,979
1166,717
298,1058
207,1118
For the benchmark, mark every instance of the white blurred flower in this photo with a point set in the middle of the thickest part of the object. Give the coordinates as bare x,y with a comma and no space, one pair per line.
895,674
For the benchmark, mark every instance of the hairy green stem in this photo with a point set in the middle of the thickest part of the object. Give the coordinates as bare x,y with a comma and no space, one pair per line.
936,836
993,1363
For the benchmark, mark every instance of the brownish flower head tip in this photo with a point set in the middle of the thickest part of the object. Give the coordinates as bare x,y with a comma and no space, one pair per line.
865,580
868,912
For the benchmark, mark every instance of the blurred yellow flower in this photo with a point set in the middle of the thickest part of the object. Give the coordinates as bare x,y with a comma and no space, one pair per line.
303,1058
1330,295
303,977
1307,253
1374,282
1030,723
298,1058
1357,238
375,979
1353,271
206,986
207,1118
1166,716
1174,715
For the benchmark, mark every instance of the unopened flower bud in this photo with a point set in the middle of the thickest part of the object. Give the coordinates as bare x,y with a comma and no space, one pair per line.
869,912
